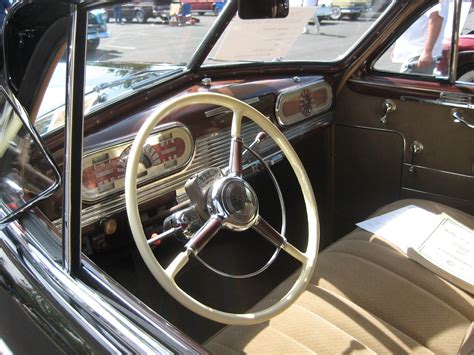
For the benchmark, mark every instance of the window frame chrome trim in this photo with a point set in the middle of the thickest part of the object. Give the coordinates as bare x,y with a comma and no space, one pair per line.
73,139
23,116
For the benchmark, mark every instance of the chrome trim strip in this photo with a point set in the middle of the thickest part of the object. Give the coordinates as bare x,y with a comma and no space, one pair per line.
445,99
211,150
23,116
453,60
222,110
73,146
78,300
399,87
408,165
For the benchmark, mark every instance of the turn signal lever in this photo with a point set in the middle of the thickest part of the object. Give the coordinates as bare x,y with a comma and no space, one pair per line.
260,137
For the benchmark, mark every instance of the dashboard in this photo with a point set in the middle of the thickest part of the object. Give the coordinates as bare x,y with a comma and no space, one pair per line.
194,139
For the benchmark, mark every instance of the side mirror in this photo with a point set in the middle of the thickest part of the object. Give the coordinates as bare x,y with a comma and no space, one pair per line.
28,174
260,9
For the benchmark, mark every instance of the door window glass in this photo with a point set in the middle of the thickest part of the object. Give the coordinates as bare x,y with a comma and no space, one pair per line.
466,47
424,48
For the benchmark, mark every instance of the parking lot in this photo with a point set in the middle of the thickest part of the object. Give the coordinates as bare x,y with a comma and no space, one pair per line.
157,42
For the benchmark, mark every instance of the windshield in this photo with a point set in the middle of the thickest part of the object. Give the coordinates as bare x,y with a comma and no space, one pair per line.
129,47
136,45
312,31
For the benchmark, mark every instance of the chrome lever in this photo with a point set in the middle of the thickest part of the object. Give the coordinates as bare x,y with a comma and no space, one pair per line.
389,106
458,117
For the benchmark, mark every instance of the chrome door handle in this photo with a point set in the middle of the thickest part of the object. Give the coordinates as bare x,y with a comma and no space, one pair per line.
458,117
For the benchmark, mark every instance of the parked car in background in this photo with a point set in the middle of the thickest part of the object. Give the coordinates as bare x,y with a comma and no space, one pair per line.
465,59
203,6
326,10
141,11
351,9
96,28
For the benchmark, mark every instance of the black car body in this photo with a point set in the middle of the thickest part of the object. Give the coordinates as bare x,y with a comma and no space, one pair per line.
71,278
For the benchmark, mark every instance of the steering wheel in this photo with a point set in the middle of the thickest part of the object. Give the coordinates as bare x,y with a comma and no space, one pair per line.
231,203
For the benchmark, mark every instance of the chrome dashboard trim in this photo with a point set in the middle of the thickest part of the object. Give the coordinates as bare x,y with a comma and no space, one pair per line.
299,89
210,150
121,144
223,110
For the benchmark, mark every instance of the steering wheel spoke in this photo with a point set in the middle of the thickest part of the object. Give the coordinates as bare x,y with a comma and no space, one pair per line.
236,145
204,235
195,245
235,161
268,232
271,234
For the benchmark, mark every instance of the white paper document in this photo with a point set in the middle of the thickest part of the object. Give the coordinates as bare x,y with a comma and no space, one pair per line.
404,228
451,248
265,40
436,241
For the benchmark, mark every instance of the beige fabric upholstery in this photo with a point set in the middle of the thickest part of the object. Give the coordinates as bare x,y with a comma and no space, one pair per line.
365,297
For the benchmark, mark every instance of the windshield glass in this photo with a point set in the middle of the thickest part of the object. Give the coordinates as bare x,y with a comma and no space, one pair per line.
138,44
313,31
129,47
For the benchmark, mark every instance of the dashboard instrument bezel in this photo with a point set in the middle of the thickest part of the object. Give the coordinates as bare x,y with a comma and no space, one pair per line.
117,153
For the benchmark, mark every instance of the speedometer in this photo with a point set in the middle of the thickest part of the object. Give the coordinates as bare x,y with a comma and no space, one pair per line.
168,149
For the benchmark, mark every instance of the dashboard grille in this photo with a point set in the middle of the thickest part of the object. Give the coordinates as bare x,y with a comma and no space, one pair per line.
211,150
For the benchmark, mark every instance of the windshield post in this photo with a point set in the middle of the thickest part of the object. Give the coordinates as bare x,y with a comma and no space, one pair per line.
73,139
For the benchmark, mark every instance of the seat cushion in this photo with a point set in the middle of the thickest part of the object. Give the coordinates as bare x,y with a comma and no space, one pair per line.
364,297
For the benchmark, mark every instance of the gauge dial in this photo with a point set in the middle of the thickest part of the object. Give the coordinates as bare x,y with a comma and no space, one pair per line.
306,102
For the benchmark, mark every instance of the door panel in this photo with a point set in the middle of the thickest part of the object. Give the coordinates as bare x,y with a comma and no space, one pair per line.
368,173
442,170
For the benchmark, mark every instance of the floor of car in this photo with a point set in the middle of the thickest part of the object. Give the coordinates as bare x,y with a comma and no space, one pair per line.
236,253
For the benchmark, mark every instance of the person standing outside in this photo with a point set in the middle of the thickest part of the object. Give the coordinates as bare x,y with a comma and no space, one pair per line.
313,23
118,14
421,45
4,5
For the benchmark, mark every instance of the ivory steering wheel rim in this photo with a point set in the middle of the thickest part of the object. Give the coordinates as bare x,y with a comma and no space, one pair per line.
166,277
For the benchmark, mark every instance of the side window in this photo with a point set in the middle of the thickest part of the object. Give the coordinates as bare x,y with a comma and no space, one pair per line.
425,47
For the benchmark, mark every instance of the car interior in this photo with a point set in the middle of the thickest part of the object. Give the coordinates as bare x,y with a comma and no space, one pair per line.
369,141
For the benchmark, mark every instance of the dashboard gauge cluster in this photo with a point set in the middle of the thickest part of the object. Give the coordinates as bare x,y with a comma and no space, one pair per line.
298,103
169,148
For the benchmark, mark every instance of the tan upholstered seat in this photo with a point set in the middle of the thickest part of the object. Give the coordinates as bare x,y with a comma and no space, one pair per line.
364,297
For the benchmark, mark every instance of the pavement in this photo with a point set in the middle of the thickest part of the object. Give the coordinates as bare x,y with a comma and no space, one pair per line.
156,42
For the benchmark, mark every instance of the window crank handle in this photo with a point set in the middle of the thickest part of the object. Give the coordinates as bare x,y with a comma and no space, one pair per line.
389,106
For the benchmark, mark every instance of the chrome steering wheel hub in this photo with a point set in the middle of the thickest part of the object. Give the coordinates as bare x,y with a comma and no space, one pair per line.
233,200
